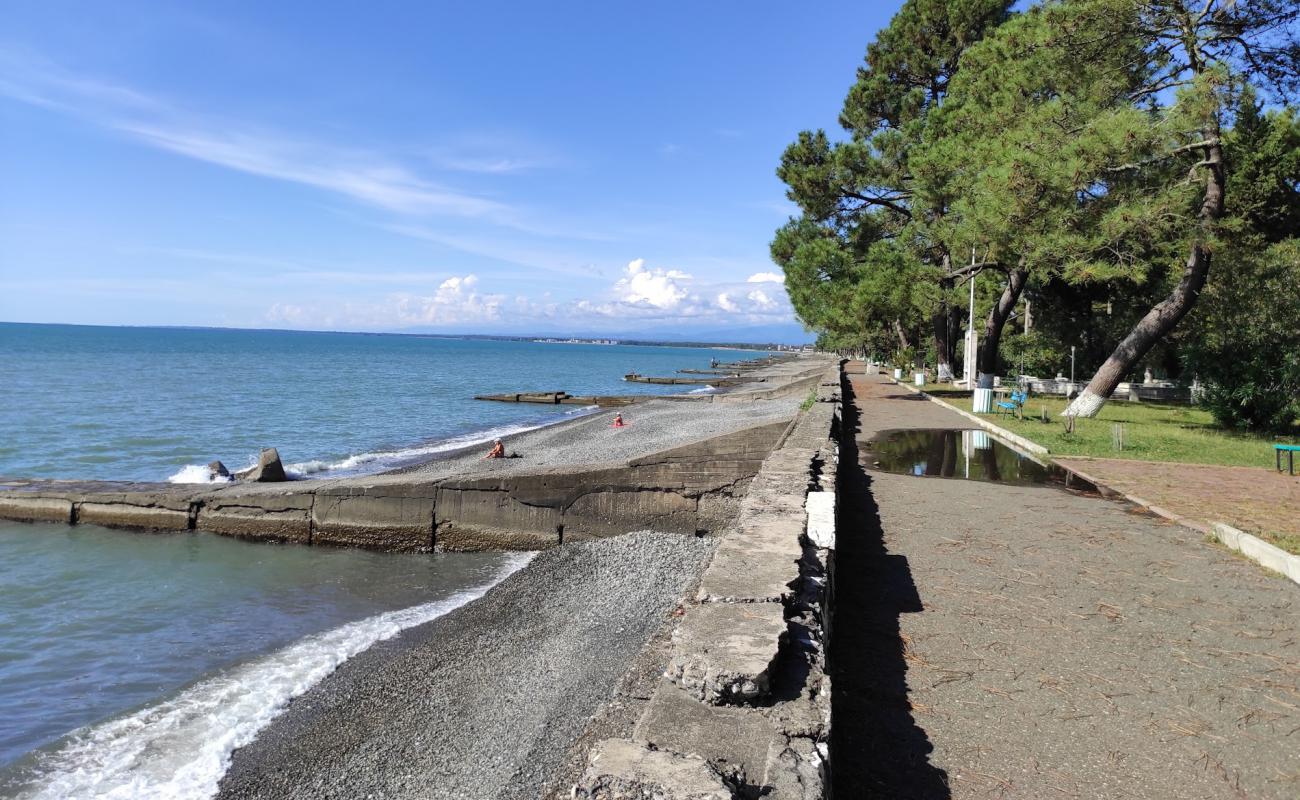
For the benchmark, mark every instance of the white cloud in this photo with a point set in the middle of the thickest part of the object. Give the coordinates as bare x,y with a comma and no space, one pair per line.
725,303
658,288
761,300
765,277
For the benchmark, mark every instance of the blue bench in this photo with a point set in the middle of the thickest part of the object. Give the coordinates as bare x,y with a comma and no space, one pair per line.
1290,450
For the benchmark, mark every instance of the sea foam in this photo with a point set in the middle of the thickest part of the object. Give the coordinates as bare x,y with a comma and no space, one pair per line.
180,748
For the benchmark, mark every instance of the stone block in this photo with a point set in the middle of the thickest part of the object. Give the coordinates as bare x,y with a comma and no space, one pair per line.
281,516
491,512
619,769
36,509
126,514
374,518
722,653
739,738
821,519
756,562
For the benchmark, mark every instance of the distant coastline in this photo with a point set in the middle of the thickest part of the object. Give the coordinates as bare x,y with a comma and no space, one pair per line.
533,337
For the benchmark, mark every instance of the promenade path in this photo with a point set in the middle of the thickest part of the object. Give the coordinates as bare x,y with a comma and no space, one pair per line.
1027,642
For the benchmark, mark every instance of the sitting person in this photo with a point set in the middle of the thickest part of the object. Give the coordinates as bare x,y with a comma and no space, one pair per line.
498,450
618,421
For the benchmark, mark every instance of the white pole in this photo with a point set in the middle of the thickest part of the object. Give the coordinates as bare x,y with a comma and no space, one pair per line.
972,374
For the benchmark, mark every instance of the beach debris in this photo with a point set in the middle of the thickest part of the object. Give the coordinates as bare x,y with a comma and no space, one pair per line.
218,471
268,469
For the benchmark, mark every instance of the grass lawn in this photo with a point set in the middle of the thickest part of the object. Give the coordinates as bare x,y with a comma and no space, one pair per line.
1152,432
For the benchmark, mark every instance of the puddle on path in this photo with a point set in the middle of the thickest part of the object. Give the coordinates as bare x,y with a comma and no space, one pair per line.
964,454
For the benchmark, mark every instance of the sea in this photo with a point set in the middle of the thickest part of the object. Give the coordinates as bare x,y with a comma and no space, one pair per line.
132,665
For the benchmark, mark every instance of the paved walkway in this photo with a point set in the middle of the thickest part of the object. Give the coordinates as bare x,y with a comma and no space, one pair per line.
1000,641
1250,498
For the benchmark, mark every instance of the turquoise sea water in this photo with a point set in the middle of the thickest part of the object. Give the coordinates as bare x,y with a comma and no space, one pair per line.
145,403
131,664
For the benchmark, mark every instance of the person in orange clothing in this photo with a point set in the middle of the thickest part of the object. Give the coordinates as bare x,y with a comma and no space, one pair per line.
618,421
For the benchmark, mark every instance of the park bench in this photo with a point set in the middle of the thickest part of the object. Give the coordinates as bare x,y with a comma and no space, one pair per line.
1290,450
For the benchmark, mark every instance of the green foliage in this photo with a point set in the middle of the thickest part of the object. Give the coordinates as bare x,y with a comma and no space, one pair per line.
1248,350
809,401
1034,354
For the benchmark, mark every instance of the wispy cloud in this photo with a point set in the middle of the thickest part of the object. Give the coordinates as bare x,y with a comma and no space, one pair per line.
365,176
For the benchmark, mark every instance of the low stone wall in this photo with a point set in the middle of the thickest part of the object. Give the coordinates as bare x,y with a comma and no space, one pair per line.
743,707
689,489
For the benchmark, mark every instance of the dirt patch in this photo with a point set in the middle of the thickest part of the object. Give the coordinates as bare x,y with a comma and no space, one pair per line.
1249,498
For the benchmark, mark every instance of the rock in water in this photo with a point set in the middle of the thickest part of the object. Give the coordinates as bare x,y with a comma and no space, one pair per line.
217,470
268,469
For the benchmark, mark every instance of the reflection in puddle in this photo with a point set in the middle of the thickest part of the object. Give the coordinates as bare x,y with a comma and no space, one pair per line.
966,454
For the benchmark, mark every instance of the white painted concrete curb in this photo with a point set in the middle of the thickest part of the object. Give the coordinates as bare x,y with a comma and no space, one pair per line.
1256,549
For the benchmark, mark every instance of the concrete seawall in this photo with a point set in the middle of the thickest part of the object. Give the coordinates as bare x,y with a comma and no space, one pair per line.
742,707
682,490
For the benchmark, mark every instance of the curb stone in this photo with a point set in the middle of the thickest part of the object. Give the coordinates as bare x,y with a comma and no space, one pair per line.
1258,550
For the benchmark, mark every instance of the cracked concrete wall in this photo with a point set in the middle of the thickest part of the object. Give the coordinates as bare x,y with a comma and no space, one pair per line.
742,709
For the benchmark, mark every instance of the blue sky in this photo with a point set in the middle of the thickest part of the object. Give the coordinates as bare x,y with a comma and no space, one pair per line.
490,167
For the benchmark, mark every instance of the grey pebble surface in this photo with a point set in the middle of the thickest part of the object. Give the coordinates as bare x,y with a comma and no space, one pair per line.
486,701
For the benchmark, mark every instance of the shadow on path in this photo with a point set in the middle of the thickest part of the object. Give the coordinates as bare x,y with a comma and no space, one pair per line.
877,749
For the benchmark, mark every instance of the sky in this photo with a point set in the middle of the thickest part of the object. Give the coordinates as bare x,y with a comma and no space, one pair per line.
576,168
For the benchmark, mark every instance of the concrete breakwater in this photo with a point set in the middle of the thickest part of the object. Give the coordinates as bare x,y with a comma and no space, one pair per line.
683,490
689,488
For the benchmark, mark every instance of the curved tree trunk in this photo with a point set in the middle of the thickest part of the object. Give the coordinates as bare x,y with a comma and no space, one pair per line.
903,342
1166,314
988,352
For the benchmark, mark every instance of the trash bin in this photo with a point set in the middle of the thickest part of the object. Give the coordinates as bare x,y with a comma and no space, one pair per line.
919,378
983,402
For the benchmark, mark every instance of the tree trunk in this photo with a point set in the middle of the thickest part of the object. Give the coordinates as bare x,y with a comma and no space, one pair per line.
988,354
903,342
940,323
1166,314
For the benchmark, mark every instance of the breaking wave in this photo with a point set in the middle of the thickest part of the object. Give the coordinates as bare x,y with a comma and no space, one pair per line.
181,747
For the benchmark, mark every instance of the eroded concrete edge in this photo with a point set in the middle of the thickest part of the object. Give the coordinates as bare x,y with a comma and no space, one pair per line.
743,707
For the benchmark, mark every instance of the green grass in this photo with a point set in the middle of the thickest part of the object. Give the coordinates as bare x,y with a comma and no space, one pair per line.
809,400
1152,432
1289,542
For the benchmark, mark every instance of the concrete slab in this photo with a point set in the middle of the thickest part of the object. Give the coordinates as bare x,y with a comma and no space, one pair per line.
280,515
397,519
734,737
757,562
723,652
821,519
36,509
620,769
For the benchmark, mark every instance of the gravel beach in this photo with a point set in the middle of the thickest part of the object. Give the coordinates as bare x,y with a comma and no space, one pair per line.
486,701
